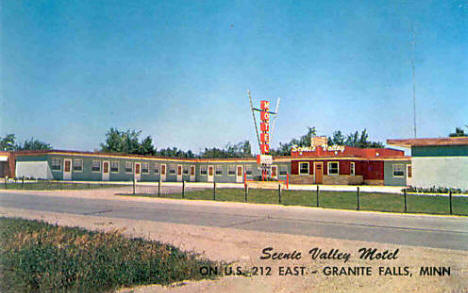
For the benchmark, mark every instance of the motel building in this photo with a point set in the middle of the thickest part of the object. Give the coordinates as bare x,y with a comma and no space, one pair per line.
318,164
437,162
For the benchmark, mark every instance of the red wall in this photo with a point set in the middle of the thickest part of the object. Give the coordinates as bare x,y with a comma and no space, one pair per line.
368,169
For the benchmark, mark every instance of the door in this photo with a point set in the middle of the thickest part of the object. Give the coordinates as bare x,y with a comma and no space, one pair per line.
192,173
163,172
137,171
179,173
67,169
318,172
240,174
105,171
210,173
274,172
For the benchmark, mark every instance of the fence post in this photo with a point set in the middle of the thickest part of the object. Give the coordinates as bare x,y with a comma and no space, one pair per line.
22,183
450,199
279,193
159,187
6,179
134,183
246,191
214,190
318,192
357,193
183,188
404,194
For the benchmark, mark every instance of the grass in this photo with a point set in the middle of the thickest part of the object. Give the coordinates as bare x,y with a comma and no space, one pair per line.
338,200
46,185
39,257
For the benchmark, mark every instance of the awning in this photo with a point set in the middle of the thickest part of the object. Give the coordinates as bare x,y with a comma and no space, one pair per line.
446,141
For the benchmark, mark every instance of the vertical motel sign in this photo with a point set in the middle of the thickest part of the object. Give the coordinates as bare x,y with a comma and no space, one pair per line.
264,127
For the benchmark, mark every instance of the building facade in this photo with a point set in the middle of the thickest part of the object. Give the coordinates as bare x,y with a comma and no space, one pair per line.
437,162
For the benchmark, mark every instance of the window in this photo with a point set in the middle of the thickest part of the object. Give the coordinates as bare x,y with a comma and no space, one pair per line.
398,170
231,170
333,168
156,168
248,170
283,170
410,171
303,168
128,167
56,164
219,170
186,170
114,166
96,166
203,170
352,169
78,165
172,169
144,168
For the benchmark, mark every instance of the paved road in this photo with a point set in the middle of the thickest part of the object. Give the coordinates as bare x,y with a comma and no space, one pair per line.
429,231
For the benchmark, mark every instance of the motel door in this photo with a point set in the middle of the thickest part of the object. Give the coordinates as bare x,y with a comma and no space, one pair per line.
179,173
239,174
210,173
192,173
163,172
105,171
274,172
67,169
137,171
318,172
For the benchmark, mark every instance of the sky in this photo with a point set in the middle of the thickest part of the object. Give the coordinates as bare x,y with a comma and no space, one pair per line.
179,71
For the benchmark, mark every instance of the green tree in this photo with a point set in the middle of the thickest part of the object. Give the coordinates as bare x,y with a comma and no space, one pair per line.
127,142
8,143
459,132
34,145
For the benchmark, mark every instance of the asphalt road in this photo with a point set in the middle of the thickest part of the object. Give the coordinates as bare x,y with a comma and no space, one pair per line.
428,231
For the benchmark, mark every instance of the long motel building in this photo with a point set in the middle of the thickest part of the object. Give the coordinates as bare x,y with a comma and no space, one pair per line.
317,164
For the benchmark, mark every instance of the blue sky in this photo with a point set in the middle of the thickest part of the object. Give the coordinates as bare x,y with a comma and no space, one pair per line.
179,70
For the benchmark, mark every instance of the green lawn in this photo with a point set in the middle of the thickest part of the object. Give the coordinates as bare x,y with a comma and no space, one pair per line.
52,185
39,257
338,200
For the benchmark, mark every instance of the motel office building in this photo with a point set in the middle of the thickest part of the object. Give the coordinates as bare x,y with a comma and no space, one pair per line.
334,165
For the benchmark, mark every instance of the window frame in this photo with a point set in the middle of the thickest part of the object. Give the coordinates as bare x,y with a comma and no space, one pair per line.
118,167
81,165
233,171
218,170
52,166
204,170
128,170
402,170
337,168
92,166
300,168
147,168
352,167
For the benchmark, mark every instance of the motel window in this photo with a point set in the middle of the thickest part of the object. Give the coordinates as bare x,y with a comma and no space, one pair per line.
398,170
114,166
303,168
333,168
410,171
128,167
186,170
144,168
96,166
352,169
156,168
172,169
219,170
78,165
231,170
283,170
203,170
56,164
248,170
